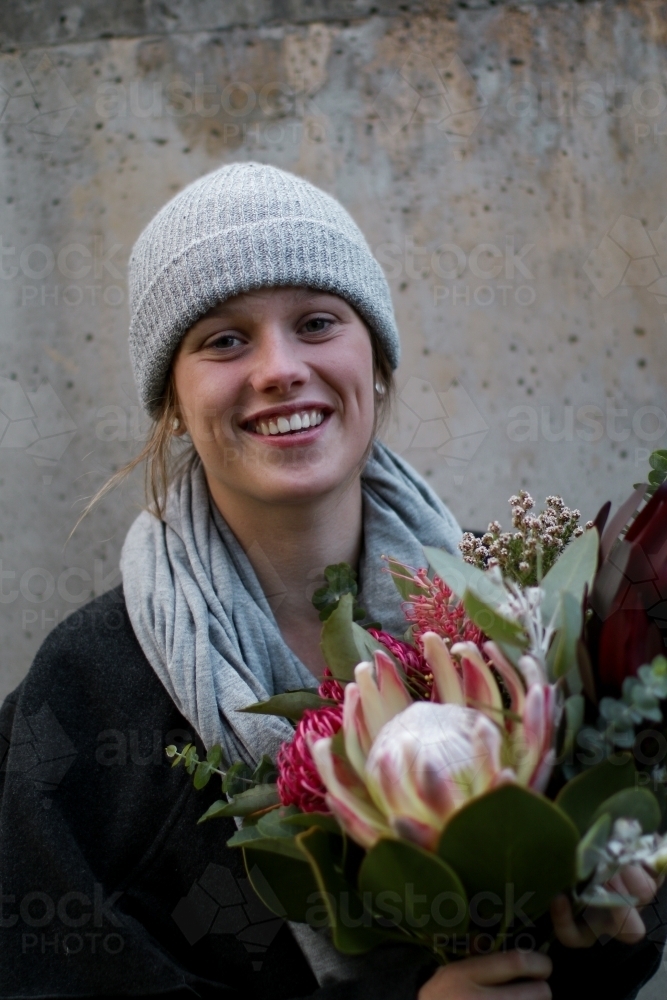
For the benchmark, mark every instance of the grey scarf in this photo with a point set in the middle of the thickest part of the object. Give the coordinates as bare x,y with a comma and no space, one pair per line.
208,629
205,624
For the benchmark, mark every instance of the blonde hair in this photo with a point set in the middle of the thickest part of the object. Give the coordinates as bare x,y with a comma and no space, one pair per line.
165,456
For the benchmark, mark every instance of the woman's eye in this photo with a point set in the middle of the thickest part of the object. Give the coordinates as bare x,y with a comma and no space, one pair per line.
320,324
224,342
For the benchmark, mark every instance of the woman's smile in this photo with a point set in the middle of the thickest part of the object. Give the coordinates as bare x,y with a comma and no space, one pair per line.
298,423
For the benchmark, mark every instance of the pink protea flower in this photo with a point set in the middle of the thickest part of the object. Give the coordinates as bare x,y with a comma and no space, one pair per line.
299,782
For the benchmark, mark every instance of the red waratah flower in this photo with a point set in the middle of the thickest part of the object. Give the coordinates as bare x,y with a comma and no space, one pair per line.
432,609
331,688
299,783
417,670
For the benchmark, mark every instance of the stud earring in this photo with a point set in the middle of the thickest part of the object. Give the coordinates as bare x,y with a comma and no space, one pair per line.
379,388
175,424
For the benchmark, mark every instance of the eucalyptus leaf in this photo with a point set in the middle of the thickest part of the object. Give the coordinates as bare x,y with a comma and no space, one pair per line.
351,925
573,719
581,796
290,704
573,571
658,460
632,803
413,888
284,884
314,819
513,844
461,576
250,837
239,778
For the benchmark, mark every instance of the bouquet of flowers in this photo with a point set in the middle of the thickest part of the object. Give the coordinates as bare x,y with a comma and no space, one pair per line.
510,746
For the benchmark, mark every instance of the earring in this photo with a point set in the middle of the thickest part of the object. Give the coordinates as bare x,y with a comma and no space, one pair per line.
175,424
379,388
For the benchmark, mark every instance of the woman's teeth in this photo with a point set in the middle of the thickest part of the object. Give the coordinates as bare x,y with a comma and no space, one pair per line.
296,422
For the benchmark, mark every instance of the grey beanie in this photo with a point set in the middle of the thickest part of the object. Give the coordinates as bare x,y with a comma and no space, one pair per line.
244,226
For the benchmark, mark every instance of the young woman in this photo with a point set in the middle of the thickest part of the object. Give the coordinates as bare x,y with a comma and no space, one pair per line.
263,342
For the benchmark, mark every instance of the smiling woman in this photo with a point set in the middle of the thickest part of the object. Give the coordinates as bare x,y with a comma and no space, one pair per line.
263,343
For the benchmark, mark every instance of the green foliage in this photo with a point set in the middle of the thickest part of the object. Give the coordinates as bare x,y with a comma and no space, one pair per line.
344,643
425,892
639,702
289,704
502,630
656,477
590,846
461,576
512,837
632,803
341,579
572,572
562,655
581,797
403,578
351,924
284,884
249,801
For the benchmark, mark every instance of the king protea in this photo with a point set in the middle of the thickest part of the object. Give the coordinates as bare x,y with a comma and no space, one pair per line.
409,765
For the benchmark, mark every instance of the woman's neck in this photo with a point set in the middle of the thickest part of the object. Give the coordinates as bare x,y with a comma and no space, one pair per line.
289,546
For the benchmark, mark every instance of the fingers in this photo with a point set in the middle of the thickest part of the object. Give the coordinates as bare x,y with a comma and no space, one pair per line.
568,932
636,882
491,970
490,975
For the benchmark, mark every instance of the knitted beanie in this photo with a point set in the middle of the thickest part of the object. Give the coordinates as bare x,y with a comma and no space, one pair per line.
244,226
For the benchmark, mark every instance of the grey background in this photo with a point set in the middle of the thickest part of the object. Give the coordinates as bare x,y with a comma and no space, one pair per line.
506,162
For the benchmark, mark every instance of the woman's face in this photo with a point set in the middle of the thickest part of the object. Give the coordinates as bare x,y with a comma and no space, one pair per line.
276,389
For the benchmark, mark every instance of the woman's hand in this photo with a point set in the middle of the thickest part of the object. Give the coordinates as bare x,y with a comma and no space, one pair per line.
493,977
621,922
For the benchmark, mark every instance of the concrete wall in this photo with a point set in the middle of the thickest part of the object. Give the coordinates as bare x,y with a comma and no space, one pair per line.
507,164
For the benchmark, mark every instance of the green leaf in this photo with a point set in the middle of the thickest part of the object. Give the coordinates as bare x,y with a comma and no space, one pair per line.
238,778
245,803
215,756
284,884
573,718
656,478
590,845
581,796
658,461
202,774
406,587
272,824
461,576
562,654
290,704
265,772
573,571
351,925
344,643
250,837
496,626
413,888
516,845
341,579
632,803
320,820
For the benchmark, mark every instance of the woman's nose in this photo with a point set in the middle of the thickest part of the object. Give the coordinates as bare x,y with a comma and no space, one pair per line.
277,362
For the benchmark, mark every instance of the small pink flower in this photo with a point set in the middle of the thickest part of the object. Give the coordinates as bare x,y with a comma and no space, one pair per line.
299,782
